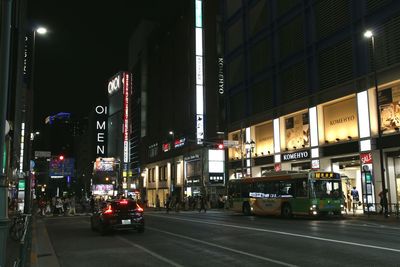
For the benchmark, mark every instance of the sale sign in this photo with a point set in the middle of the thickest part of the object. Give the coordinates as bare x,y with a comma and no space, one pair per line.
366,158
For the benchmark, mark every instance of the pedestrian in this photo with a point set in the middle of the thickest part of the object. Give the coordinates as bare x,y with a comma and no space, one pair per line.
92,202
157,203
168,202
72,210
203,204
384,203
48,207
178,203
59,209
349,201
356,197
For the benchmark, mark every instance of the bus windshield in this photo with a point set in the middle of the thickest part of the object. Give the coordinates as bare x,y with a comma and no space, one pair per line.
327,188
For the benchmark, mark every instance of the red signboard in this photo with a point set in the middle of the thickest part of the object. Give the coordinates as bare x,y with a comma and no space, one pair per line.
366,158
166,147
278,167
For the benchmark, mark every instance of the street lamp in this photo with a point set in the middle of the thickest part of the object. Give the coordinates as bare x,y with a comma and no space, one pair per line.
28,195
42,31
369,34
172,133
249,150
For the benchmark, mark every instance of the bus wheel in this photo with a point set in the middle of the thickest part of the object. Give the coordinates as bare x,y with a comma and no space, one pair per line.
246,209
287,211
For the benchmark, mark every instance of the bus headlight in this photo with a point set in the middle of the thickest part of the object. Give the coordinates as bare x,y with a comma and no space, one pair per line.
313,207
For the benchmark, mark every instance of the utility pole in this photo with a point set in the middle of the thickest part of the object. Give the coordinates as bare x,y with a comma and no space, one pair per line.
5,43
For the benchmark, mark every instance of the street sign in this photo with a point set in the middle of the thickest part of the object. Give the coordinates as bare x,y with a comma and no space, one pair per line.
231,143
42,154
21,185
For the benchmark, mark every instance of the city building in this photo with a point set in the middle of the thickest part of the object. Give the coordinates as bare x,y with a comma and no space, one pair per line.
178,109
308,88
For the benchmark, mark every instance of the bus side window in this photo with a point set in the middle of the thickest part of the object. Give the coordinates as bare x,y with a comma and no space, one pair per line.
284,188
245,190
268,188
275,188
301,188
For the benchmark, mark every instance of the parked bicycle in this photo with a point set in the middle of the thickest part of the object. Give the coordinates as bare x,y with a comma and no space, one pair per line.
17,227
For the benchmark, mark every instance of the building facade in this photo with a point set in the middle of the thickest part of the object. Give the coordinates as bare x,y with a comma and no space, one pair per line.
306,90
174,65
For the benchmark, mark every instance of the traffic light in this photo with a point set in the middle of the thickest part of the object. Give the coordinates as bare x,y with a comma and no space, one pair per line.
220,146
61,157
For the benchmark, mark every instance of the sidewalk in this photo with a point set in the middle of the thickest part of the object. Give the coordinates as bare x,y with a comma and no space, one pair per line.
12,250
42,252
374,217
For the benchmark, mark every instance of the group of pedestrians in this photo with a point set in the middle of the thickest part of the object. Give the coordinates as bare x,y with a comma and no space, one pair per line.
57,206
174,202
352,200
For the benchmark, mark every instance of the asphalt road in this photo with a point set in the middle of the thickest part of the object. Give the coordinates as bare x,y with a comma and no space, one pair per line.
218,238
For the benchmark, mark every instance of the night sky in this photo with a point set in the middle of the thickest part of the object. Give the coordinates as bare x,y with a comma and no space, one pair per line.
87,44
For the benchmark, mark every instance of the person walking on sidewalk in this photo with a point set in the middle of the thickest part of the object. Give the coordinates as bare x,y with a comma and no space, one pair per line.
168,202
356,198
157,203
384,203
203,204
72,204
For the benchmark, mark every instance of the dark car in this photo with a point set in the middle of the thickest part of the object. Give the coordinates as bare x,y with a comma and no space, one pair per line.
121,214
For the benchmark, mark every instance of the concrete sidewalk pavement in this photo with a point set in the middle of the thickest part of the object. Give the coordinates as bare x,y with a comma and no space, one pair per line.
42,252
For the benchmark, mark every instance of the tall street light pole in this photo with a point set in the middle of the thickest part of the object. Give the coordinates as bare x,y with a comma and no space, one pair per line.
368,34
28,178
5,44
172,179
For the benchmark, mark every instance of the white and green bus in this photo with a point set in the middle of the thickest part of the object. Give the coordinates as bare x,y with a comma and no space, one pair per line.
286,194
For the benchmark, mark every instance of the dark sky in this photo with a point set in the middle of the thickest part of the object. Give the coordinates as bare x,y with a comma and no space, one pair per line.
87,44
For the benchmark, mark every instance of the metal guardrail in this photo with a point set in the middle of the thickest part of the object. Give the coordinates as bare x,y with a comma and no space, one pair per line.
24,242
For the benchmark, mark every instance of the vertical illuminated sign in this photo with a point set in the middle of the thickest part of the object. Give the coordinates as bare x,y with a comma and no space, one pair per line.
101,112
127,82
21,152
199,71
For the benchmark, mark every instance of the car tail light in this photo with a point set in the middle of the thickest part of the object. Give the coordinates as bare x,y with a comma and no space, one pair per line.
138,208
108,210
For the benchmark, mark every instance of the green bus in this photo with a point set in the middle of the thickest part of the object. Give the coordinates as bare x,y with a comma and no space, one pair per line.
311,193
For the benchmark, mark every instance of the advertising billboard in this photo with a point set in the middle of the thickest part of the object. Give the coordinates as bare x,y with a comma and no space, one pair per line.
61,168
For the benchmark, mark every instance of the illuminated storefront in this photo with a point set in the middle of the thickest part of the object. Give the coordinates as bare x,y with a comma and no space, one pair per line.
338,136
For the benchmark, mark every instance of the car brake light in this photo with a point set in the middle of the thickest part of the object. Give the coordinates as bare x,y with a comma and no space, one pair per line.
138,208
108,210
123,202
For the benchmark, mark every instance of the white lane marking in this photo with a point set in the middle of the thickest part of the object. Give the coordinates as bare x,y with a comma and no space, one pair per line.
283,233
158,256
223,247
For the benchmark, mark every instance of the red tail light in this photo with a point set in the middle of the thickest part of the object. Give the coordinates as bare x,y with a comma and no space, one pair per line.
108,210
138,208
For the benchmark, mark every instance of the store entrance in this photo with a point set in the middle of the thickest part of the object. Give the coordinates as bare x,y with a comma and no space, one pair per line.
301,166
350,171
393,185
